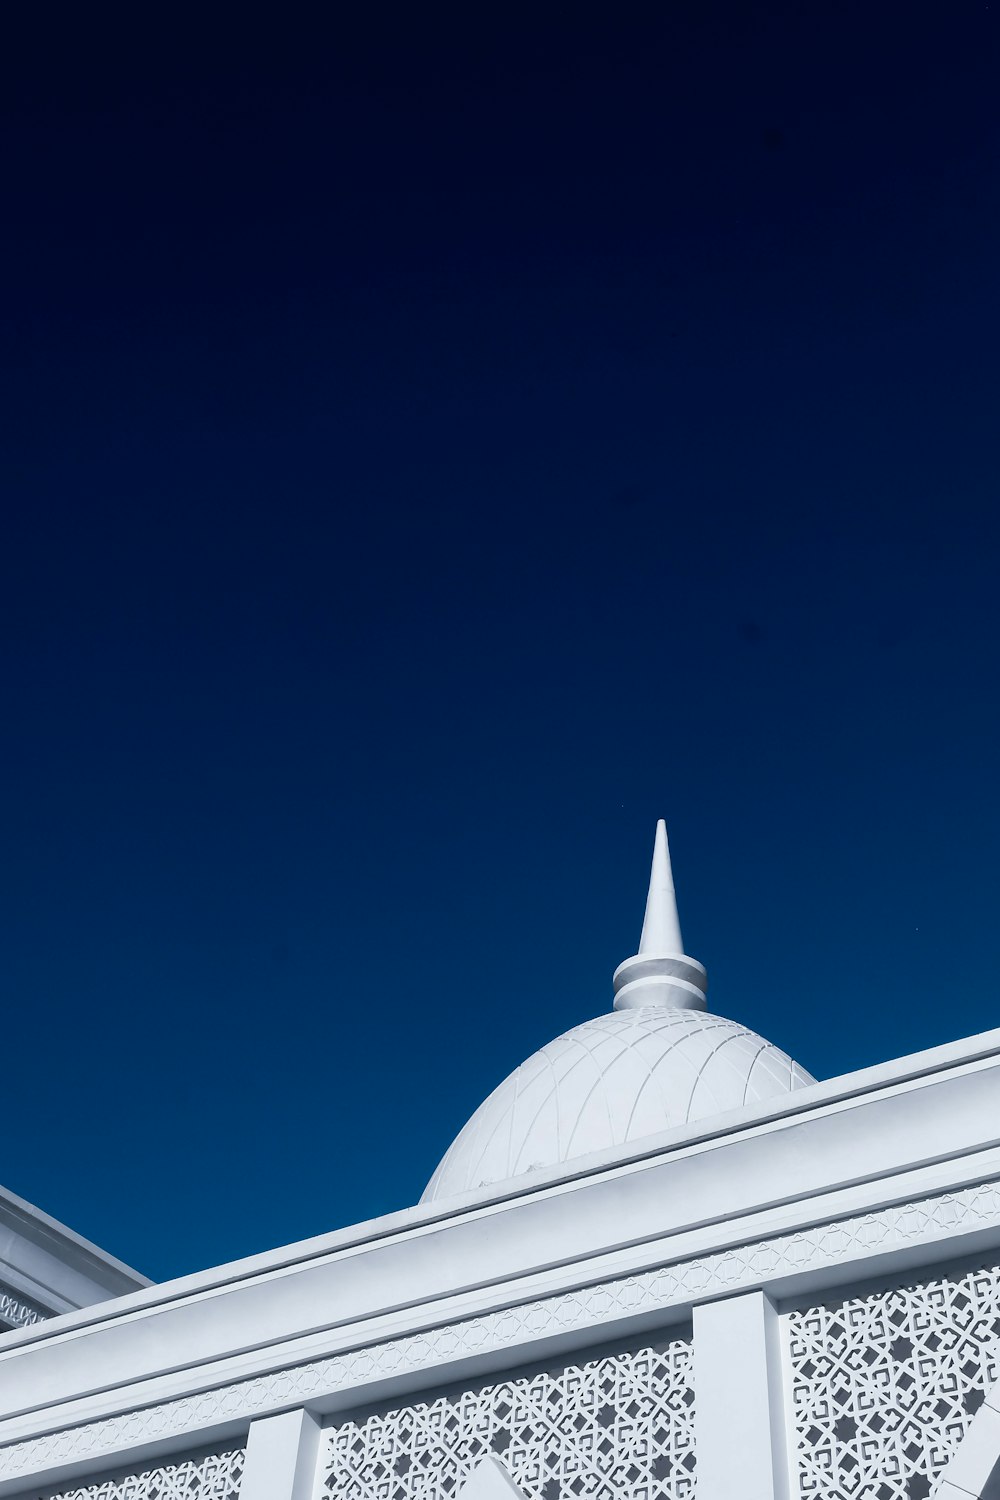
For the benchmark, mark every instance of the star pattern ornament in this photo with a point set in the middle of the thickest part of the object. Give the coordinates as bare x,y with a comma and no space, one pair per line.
216,1477
614,1427
885,1386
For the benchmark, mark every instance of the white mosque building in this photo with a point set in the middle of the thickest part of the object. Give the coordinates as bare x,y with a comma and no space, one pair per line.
659,1262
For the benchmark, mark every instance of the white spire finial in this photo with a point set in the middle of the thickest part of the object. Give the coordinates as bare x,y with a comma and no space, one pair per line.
661,972
661,929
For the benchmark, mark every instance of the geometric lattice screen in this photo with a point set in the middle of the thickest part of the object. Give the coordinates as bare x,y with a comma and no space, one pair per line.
619,1428
884,1386
216,1477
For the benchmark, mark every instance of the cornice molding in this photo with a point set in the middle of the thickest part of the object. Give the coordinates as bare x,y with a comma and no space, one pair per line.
510,1336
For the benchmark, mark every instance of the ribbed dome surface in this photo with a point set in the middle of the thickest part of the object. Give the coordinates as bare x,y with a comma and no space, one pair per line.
610,1082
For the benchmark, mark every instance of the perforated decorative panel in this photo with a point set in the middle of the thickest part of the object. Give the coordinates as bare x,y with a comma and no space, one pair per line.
619,1428
216,1477
884,1386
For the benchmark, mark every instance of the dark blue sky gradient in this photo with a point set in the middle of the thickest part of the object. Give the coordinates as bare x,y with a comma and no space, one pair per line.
434,448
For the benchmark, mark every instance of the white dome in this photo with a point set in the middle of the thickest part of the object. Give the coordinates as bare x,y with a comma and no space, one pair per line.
611,1082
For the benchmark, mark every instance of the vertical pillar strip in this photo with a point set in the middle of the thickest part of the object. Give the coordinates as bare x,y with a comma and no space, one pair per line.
282,1453
739,1406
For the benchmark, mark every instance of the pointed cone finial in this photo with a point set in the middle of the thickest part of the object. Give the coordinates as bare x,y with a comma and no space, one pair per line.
661,973
661,928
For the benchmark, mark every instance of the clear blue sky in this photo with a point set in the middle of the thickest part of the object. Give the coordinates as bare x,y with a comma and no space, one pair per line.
435,447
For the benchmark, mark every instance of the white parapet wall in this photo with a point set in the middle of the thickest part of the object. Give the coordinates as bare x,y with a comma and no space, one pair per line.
851,1189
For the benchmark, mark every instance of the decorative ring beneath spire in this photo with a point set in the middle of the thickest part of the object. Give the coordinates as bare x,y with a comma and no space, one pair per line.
675,980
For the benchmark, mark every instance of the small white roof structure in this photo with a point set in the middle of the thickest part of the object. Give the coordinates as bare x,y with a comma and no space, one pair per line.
47,1269
658,1060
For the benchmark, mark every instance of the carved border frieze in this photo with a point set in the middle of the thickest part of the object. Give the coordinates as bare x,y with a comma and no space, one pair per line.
17,1311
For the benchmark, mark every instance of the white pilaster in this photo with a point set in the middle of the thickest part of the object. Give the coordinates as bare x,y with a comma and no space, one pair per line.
739,1412
281,1457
